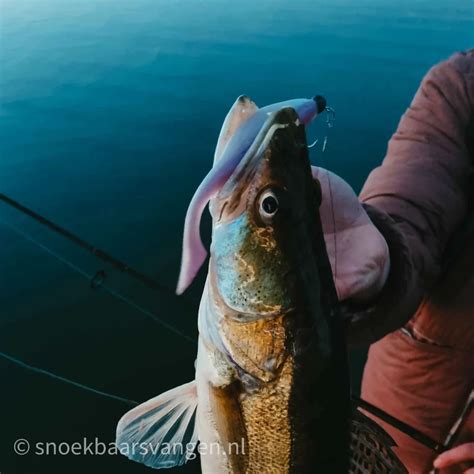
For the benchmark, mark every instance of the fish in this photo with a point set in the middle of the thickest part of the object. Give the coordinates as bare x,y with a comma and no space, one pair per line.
239,130
271,392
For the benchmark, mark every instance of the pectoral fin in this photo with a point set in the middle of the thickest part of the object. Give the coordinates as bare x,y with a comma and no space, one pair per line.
161,432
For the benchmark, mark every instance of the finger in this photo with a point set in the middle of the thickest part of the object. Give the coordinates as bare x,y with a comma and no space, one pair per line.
462,453
469,471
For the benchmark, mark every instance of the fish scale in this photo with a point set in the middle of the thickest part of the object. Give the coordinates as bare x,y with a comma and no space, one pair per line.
269,437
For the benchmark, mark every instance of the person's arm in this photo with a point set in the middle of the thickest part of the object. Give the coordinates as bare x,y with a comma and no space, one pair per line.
419,195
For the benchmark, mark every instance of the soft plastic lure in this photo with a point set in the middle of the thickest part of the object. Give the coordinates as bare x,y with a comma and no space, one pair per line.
239,130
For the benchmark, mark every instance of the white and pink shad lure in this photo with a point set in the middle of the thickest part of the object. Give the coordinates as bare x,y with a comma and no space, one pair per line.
239,130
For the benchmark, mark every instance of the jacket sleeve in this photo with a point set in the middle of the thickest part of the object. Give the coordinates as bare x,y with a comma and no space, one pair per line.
420,193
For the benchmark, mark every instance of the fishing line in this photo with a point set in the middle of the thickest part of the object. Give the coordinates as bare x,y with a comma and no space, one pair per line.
91,278
81,386
109,290
99,253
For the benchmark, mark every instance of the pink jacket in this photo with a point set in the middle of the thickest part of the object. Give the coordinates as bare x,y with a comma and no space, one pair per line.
420,196
421,200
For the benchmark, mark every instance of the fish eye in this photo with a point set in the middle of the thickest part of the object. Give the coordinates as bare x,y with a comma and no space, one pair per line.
268,204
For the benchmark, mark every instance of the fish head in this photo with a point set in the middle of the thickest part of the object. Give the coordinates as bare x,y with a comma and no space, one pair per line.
263,218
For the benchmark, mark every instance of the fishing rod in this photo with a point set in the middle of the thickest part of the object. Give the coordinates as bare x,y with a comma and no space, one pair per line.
97,252
400,425
97,281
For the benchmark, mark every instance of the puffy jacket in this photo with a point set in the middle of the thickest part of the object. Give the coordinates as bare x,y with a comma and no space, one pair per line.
420,198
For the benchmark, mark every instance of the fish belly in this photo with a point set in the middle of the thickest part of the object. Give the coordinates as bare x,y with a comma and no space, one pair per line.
242,432
220,429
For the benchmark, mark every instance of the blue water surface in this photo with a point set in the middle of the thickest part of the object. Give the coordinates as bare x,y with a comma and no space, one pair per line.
109,114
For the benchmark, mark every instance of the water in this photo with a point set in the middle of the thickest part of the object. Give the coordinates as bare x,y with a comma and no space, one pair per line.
108,117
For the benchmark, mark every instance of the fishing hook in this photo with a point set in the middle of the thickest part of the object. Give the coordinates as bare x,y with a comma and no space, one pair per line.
330,119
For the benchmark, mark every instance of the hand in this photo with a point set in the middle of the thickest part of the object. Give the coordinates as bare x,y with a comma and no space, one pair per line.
372,270
459,455
358,253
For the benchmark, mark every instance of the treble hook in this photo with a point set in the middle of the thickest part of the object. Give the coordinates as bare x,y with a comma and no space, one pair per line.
330,119
330,116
